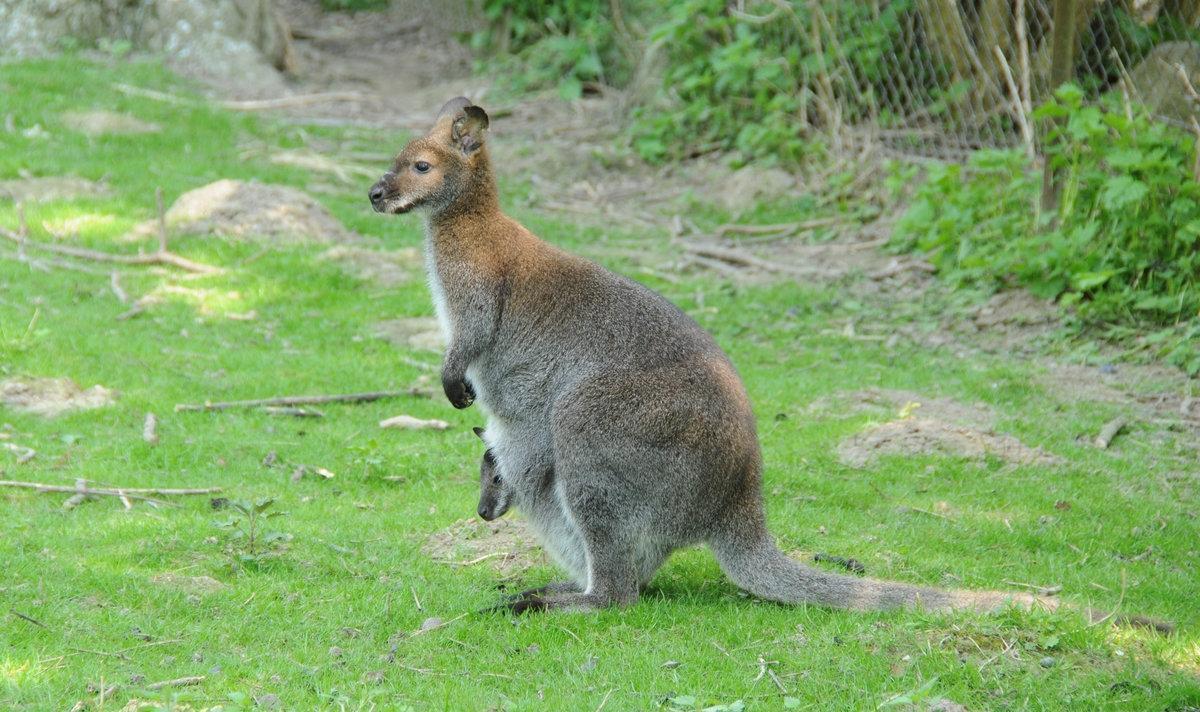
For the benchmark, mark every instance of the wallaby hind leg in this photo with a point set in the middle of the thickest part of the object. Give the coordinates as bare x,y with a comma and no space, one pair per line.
612,572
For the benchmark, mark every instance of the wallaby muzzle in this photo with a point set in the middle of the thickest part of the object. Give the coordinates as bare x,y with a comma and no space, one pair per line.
384,199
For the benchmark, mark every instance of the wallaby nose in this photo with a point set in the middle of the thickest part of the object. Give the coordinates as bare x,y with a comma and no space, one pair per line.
376,193
484,513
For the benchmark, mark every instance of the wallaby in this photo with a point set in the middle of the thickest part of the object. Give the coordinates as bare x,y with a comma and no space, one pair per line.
494,493
619,425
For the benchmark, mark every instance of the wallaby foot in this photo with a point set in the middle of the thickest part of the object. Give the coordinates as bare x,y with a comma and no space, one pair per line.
569,602
553,588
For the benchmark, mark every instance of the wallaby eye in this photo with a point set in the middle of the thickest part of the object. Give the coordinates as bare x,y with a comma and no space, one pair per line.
496,480
421,167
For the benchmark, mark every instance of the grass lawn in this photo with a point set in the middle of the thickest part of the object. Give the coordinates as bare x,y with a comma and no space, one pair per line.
326,619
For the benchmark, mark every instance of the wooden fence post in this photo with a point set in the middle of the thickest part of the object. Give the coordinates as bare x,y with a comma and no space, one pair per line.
1062,61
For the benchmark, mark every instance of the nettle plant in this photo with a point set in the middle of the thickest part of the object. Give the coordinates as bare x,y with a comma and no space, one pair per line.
249,542
1121,249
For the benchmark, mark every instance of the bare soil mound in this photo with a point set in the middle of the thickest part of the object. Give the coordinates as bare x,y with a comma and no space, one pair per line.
419,332
50,188
506,545
99,123
49,397
926,436
387,268
255,211
895,402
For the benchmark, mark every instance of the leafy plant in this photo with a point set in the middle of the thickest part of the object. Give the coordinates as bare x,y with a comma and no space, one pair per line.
251,543
564,44
1122,247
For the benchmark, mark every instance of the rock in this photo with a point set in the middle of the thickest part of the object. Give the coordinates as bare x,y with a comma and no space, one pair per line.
1047,662
211,40
1157,84
431,623
255,212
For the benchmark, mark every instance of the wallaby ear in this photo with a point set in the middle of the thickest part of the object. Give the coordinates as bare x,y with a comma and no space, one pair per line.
478,432
454,106
467,130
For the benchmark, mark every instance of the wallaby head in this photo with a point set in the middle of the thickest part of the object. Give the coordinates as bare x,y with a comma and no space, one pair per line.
495,497
445,168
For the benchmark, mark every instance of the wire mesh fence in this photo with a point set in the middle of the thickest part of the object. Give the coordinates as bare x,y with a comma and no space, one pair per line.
940,78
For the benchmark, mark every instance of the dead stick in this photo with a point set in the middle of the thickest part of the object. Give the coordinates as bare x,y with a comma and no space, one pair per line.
28,619
285,102
1110,431
741,259
162,221
305,400
782,227
129,492
156,258
150,429
177,682
114,281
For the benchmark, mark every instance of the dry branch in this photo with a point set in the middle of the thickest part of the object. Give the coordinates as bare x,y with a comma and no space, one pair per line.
135,492
177,682
1110,431
741,259
287,102
150,429
154,258
304,400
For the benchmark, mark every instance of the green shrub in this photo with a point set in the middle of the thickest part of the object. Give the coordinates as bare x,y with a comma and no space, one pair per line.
537,45
1122,247
733,84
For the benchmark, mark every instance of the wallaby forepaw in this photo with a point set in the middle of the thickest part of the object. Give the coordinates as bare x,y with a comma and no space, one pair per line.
459,393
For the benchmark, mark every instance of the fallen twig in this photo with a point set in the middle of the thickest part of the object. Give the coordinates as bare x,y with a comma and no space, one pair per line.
305,400
177,682
742,259
293,411
114,281
153,258
150,429
27,619
476,560
407,422
1042,590
287,102
781,228
24,454
1110,431
136,493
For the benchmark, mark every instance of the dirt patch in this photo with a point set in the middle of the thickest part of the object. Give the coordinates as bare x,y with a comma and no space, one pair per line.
506,545
99,123
419,332
927,436
50,188
255,211
49,397
1016,308
188,584
895,402
387,268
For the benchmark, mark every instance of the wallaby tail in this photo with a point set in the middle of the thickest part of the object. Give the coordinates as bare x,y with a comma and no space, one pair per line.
756,564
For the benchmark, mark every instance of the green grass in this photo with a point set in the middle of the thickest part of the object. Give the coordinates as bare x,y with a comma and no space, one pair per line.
352,571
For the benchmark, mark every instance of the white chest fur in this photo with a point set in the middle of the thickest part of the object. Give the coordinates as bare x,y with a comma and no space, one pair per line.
440,308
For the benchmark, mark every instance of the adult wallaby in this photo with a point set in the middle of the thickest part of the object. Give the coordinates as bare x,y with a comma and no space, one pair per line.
620,426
